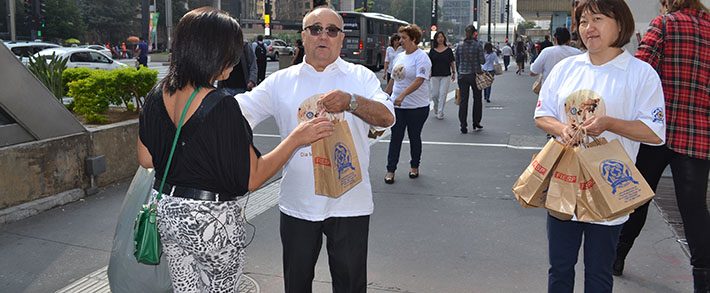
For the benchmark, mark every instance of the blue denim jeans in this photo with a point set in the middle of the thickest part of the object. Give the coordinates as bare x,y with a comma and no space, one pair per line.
564,240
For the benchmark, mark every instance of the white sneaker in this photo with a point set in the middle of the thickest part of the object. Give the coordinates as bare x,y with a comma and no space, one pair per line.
440,116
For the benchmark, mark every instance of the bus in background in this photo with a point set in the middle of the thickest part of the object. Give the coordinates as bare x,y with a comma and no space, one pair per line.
367,37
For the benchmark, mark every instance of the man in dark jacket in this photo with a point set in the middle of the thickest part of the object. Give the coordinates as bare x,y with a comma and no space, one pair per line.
243,76
260,52
469,58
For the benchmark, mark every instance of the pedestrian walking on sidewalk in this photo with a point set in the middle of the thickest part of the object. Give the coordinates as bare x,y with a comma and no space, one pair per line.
124,50
521,57
392,51
552,55
305,216
489,67
676,45
260,53
243,76
469,58
200,222
506,51
298,55
141,51
443,72
628,106
410,90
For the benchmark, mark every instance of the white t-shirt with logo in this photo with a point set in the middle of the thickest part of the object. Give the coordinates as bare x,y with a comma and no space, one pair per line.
627,88
280,95
407,68
390,54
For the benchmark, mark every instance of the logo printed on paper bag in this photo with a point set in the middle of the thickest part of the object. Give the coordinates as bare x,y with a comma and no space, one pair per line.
617,174
539,168
343,159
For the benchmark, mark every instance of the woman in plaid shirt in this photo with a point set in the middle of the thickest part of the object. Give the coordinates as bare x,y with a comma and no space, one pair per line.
677,44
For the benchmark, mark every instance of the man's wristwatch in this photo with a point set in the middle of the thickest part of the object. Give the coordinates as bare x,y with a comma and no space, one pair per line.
353,103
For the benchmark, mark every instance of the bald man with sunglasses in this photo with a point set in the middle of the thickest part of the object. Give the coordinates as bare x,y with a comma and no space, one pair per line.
341,87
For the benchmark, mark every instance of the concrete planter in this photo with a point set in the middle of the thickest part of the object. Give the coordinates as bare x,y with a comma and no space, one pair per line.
35,172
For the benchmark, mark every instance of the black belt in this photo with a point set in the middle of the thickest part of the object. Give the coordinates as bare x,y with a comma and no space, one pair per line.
192,193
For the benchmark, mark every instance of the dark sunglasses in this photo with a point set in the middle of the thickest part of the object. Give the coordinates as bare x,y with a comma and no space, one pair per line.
317,30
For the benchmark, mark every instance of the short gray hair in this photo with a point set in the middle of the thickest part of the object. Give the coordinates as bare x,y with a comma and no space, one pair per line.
322,7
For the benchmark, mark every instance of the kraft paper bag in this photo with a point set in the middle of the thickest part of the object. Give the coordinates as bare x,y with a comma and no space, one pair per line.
587,210
336,167
540,194
562,194
530,187
622,188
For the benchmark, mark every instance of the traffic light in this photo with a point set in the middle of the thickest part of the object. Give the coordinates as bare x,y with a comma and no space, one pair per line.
42,8
507,8
267,7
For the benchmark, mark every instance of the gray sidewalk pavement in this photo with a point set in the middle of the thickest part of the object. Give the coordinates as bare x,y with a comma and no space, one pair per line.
456,228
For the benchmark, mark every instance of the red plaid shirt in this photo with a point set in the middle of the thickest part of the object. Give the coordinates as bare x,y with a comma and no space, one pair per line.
684,56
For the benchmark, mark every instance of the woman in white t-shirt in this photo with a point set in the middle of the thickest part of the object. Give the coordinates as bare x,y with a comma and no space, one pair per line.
489,67
392,51
409,88
628,106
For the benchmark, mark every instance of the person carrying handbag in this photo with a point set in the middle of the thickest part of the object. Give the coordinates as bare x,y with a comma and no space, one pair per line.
489,68
469,58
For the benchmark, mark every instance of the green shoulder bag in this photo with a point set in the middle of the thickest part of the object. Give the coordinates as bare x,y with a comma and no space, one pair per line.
145,230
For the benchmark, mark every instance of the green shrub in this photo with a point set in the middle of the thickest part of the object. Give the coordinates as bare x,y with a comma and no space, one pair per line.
90,98
49,69
72,74
134,84
94,90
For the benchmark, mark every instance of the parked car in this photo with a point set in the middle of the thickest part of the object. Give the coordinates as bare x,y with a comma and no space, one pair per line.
276,48
23,50
83,57
99,48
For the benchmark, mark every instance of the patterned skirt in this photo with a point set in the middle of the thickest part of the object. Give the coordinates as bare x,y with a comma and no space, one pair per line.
203,242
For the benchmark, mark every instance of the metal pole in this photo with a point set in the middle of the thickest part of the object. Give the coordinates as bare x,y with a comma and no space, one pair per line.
145,19
489,20
169,23
478,15
11,8
217,4
507,22
414,6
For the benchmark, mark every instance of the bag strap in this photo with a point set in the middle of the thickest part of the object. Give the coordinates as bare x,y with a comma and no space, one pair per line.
175,140
663,41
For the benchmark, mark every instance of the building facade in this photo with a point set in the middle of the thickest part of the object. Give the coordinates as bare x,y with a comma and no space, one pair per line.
459,12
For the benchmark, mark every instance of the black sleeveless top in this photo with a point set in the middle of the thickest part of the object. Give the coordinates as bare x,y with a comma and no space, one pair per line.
212,152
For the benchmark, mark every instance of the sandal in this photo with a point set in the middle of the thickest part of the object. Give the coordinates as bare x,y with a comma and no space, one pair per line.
414,173
389,177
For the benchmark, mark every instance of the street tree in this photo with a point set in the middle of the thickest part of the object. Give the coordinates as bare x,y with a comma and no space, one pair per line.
110,20
62,21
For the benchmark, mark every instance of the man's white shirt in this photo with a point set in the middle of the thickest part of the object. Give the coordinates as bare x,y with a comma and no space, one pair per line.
280,95
506,51
549,57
